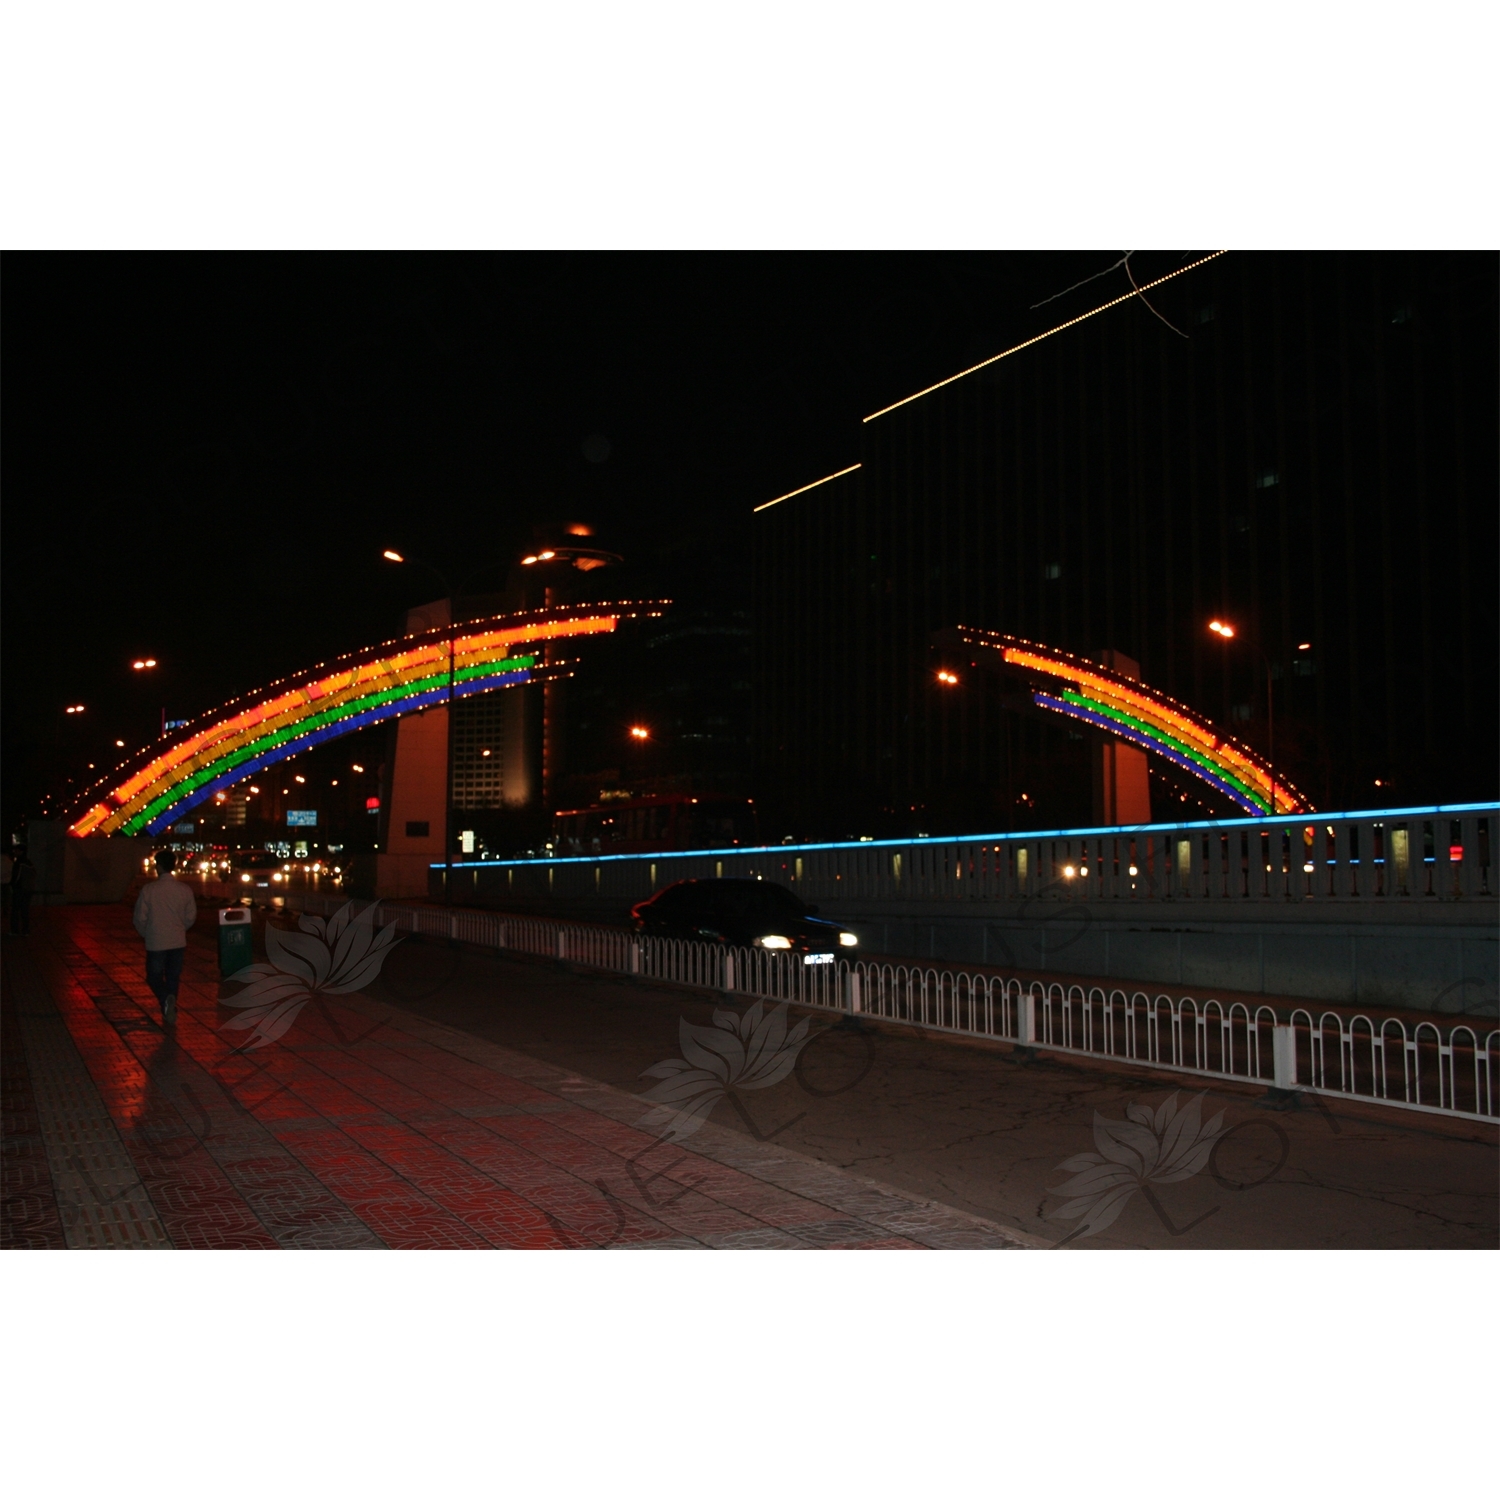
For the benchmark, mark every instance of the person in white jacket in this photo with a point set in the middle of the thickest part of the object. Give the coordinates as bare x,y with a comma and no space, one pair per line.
164,911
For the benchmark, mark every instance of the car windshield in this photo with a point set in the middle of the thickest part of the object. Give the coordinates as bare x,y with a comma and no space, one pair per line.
256,859
759,899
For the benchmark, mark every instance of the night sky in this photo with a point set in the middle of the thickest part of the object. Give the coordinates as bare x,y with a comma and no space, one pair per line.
206,453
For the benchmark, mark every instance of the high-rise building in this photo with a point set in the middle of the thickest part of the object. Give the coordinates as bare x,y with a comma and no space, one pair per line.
1301,444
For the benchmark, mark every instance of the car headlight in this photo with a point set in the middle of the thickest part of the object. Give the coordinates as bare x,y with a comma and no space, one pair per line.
245,879
848,940
277,876
773,941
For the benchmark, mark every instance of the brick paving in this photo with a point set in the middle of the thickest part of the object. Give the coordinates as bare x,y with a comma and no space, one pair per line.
364,1127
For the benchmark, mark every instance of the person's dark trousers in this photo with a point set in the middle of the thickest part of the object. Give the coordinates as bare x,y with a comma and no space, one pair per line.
20,913
163,971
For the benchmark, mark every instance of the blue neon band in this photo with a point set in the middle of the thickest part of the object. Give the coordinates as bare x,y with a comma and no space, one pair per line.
163,820
1125,732
1285,821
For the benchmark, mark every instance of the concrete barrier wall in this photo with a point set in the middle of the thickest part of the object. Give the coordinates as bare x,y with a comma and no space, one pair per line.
1447,960
82,870
1436,955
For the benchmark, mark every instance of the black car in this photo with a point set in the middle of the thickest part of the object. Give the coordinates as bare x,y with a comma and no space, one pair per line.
742,914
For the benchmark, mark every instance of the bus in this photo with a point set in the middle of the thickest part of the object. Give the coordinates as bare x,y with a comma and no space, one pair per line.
647,825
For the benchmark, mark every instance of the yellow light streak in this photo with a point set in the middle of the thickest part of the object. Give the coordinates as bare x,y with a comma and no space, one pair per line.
1016,349
806,487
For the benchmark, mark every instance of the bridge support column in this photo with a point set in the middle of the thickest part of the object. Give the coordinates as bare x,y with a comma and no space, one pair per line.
1122,789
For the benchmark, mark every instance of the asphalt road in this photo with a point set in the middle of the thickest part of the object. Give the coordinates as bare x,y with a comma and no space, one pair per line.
986,1130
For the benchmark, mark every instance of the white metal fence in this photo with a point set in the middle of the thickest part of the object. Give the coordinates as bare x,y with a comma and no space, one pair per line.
1412,855
1425,1066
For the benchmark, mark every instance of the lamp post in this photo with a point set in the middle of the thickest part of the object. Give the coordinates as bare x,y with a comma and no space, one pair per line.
148,664
1227,633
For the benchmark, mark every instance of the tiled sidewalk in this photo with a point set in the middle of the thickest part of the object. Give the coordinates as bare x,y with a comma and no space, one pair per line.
363,1127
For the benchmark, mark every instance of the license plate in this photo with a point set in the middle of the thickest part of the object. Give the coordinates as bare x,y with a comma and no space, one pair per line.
817,958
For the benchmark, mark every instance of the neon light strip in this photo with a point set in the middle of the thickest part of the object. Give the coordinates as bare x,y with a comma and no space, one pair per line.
806,487
326,709
1287,823
1211,755
1072,322
235,765
1167,721
434,653
1181,747
133,813
1246,800
404,676
169,809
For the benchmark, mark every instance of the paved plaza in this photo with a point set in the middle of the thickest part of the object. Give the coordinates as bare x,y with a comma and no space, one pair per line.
366,1126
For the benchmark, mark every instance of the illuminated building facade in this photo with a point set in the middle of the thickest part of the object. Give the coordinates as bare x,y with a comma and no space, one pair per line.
1308,450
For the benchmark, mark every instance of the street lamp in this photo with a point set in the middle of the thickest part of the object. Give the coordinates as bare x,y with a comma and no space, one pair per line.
145,664
1226,633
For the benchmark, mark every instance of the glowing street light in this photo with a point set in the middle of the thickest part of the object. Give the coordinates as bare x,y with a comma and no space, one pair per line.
950,678
638,733
1226,632
391,556
77,708
356,768
143,664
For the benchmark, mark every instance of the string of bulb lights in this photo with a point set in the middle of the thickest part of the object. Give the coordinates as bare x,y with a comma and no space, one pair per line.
365,688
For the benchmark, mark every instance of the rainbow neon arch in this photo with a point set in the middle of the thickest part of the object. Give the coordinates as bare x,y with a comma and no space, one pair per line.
1131,711
382,682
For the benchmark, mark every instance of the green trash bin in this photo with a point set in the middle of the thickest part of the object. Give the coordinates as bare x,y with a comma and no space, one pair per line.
234,940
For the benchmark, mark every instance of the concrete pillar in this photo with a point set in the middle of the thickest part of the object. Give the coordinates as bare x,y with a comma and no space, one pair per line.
1122,789
417,827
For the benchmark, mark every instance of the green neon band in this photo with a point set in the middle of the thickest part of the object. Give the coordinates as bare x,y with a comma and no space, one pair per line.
1094,705
307,724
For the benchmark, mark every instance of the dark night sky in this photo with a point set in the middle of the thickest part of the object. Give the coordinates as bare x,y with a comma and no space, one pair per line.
206,453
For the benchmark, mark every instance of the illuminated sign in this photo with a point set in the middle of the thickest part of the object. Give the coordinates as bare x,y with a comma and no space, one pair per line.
298,818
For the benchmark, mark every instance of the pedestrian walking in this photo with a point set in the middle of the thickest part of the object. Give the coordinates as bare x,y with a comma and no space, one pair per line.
22,888
164,911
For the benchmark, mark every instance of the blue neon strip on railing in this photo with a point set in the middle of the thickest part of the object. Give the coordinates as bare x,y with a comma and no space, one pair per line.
164,820
1268,825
